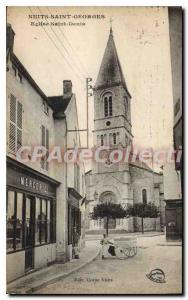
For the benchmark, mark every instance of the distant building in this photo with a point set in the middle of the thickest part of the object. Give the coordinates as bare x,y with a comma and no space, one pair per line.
45,206
173,174
123,182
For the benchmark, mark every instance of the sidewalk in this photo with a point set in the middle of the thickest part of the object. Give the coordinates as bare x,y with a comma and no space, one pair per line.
92,237
32,282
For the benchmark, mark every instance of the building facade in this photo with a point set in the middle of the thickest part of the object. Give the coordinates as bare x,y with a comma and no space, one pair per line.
120,182
40,191
173,174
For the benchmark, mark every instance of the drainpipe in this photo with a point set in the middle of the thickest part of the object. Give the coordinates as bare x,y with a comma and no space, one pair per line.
66,188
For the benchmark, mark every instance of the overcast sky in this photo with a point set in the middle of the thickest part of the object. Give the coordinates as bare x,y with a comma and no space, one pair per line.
142,39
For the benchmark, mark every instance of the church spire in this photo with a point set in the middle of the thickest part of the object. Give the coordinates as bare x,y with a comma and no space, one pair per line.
110,73
111,31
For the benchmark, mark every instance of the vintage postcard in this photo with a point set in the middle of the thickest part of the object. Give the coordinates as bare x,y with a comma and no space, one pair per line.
94,150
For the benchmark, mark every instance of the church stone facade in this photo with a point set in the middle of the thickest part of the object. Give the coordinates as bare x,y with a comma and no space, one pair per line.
121,182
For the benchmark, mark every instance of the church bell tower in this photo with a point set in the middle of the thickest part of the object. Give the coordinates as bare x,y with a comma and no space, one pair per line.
112,110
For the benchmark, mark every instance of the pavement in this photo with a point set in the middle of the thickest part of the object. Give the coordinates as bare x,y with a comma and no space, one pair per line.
49,276
128,276
41,278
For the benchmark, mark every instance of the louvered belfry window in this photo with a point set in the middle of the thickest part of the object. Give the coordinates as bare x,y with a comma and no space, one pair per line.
45,143
108,106
15,130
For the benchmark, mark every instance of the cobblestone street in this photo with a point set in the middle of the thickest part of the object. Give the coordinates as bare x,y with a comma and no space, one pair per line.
126,276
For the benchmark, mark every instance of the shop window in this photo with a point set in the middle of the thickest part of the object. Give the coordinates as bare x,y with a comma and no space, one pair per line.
53,221
43,222
19,221
15,130
10,220
21,214
37,221
48,222
14,221
45,143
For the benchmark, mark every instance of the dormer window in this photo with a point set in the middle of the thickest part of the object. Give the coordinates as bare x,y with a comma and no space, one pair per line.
108,105
45,107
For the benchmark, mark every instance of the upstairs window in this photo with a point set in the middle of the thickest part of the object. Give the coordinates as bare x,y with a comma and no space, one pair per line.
15,130
45,107
108,105
45,143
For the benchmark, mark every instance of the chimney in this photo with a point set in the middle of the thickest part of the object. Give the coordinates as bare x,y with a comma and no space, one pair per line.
9,39
67,88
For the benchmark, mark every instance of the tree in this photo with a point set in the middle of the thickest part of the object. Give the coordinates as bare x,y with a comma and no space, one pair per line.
143,210
108,210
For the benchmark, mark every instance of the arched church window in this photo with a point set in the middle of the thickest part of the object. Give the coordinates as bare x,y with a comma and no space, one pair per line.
108,105
114,138
144,196
102,140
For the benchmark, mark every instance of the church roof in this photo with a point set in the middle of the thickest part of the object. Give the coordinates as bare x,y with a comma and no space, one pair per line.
110,72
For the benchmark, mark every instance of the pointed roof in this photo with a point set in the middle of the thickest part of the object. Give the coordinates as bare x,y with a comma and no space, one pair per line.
110,72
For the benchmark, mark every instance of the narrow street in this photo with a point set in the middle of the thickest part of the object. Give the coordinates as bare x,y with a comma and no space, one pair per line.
128,276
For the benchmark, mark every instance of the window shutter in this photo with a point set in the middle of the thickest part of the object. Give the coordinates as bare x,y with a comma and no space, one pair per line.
12,129
19,125
12,108
12,137
19,139
19,115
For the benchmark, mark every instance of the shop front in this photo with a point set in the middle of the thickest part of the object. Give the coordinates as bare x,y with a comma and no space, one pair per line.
31,219
174,222
74,223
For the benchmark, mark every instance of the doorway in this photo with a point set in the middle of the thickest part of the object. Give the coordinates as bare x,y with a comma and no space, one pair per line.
29,232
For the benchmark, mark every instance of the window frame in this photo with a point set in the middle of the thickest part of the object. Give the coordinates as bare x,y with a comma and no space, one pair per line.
108,104
15,124
52,220
144,197
114,138
45,140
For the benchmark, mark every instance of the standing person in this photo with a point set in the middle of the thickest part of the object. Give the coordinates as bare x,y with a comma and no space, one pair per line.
75,243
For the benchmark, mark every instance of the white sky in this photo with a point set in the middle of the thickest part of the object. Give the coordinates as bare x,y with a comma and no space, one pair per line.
142,40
